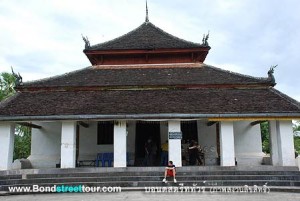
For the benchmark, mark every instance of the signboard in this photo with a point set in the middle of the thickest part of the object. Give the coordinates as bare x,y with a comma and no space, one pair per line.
175,135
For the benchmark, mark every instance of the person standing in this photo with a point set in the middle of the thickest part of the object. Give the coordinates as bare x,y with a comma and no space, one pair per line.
148,160
194,153
164,153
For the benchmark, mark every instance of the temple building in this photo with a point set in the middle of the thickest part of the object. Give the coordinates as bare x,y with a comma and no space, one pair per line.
149,84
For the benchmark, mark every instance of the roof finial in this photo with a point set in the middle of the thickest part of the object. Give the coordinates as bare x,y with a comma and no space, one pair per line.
147,16
271,75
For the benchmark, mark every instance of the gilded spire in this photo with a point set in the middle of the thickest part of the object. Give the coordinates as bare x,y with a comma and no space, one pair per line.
147,16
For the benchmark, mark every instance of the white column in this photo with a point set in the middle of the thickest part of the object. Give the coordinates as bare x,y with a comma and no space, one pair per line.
274,143
285,143
68,144
174,144
120,142
227,144
7,136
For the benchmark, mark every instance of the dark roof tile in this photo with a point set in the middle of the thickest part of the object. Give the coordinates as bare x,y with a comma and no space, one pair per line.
146,36
197,101
148,75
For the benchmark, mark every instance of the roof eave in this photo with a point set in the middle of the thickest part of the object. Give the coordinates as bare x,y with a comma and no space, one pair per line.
148,51
229,116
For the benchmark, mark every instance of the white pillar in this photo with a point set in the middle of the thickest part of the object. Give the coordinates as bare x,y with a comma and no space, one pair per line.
68,144
273,143
7,136
282,136
227,144
120,142
174,144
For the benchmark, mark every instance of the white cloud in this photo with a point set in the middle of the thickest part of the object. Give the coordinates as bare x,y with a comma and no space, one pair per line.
43,38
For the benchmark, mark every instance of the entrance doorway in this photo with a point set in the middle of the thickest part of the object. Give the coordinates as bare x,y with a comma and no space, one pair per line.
189,133
145,131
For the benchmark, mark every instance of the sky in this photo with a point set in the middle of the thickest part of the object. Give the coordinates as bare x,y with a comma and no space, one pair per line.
43,38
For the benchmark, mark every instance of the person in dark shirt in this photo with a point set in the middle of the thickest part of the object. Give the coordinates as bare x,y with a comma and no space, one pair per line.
170,171
194,153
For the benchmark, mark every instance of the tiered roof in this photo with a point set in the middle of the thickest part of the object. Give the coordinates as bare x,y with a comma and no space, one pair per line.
166,90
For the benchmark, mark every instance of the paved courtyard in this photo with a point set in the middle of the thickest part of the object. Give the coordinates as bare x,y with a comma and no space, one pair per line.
140,196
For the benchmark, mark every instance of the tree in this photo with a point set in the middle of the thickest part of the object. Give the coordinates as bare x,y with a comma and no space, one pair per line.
296,127
7,85
265,137
22,134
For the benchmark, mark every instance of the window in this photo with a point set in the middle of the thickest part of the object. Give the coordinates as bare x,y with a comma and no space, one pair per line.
105,132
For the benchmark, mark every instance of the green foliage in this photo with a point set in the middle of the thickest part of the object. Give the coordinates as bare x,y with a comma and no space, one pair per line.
7,84
296,126
297,143
265,137
22,144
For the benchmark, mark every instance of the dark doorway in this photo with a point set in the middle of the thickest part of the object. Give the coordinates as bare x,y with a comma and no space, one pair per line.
189,131
144,131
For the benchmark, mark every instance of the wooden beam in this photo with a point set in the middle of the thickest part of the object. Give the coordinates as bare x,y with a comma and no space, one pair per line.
30,125
83,124
210,123
257,122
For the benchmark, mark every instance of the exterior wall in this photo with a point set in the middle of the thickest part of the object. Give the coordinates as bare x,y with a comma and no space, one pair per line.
68,144
175,144
138,58
45,145
247,142
88,147
282,146
7,136
120,144
207,138
227,148
46,149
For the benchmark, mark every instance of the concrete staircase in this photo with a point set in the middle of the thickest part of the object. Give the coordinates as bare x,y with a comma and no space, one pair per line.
137,178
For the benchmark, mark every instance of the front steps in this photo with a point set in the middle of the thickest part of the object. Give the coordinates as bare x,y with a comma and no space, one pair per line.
137,178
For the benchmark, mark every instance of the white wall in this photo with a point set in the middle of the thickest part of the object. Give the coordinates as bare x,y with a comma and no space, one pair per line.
174,144
88,147
247,142
68,144
7,136
285,143
207,138
120,144
45,145
227,152
45,148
